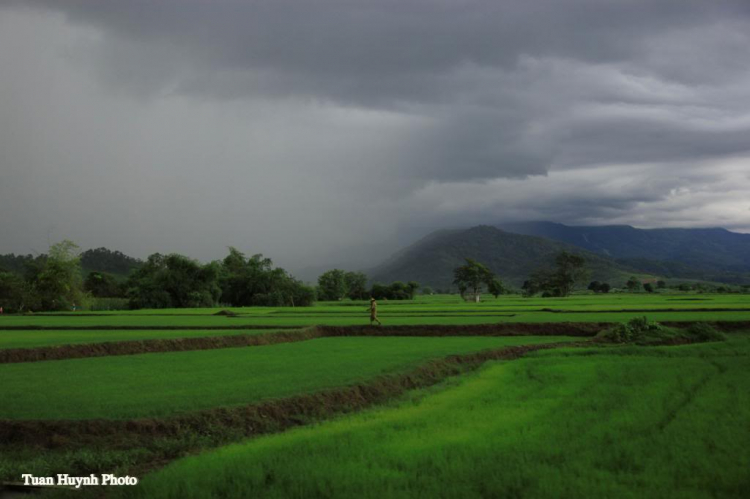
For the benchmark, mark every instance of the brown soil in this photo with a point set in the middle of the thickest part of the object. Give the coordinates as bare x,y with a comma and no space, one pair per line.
582,329
579,329
133,347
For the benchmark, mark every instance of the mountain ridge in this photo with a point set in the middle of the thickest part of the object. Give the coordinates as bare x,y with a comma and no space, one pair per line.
711,253
431,260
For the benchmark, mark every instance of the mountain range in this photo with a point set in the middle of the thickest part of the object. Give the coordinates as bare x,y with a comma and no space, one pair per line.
515,250
614,253
512,257
712,254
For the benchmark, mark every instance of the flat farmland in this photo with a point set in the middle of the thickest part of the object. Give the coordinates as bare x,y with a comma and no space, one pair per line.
447,398
450,310
52,337
153,385
635,422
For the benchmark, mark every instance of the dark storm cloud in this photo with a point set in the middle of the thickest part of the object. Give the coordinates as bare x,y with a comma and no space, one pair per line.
375,52
422,112
487,73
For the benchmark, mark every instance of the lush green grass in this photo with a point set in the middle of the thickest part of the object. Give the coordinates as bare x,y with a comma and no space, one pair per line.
389,319
444,309
124,387
623,422
610,422
43,338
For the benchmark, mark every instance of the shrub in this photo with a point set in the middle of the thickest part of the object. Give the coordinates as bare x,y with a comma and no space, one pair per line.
638,330
641,331
701,331
227,313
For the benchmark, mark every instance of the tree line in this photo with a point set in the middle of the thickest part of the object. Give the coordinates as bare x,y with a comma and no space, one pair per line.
569,270
338,284
55,282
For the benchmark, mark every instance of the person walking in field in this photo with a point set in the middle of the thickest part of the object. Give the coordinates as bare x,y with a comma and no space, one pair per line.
374,312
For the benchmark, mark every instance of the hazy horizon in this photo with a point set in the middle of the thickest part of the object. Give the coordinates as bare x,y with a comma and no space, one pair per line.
338,131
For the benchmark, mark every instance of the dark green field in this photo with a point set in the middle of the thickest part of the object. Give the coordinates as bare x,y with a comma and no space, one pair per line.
443,309
635,422
153,385
385,416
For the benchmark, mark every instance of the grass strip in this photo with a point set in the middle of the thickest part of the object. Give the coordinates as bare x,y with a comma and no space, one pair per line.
48,338
134,347
249,420
171,383
636,422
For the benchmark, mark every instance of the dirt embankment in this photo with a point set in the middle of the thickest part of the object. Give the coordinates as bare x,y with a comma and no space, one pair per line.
579,329
726,326
141,328
133,347
233,423
582,329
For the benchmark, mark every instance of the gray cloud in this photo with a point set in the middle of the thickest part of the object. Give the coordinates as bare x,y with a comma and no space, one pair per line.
303,129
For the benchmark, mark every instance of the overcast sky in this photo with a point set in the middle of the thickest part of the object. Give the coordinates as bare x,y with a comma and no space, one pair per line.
323,132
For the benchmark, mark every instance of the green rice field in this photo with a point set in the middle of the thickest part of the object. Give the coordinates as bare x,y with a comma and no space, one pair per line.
52,337
638,422
442,309
576,419
152,385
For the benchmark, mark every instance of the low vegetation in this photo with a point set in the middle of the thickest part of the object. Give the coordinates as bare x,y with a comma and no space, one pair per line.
574,421
52,337
641,331
152,385
665,422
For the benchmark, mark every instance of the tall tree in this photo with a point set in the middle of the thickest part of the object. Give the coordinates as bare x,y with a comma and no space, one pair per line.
58,283
571,269
633,284
356,285
255,282
13,292
496,288
332,285
174,281
412,287
472,276
103,285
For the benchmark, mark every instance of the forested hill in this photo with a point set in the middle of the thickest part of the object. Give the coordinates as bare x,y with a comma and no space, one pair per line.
512,257
93,260
712,254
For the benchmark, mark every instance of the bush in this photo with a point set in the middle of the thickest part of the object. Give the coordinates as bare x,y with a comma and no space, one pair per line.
641,331
701,331
638,330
